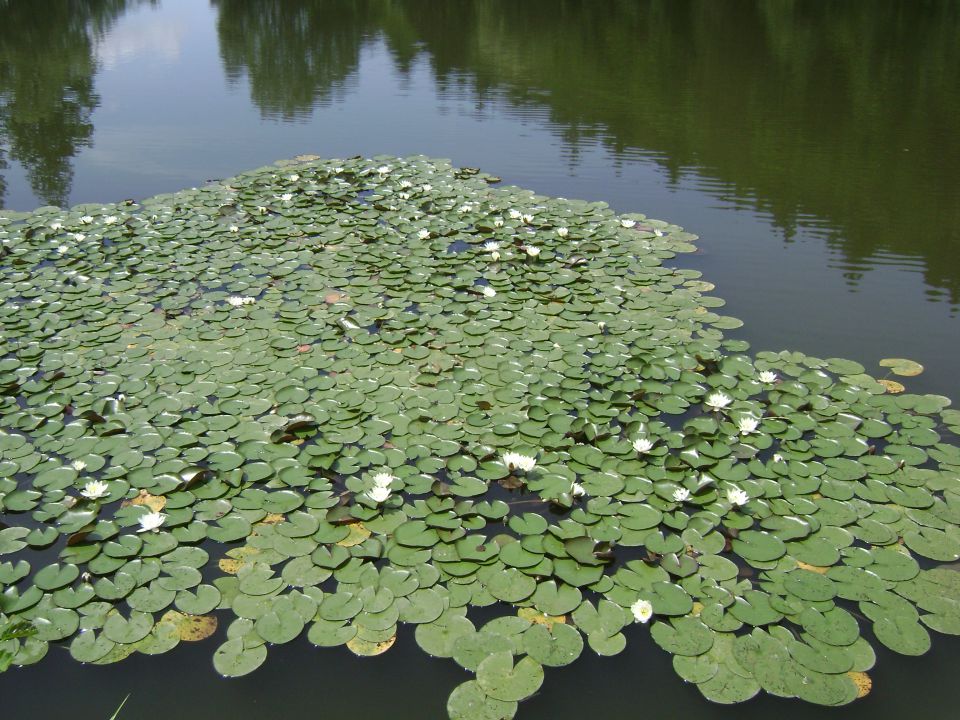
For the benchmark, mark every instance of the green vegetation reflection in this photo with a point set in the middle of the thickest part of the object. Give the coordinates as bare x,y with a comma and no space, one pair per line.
327,398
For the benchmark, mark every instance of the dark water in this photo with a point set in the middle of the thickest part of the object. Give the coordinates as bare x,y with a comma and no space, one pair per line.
813,145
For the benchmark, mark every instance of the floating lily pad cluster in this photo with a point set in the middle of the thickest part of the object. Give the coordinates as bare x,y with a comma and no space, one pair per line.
323,399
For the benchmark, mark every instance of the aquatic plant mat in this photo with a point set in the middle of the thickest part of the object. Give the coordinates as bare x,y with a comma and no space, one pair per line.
321,399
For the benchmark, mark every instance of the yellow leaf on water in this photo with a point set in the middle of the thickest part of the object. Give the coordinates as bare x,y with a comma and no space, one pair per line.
863,682
358,533
892,386
365,648
191,627
272,519
154,502
237,558
533,615
812,568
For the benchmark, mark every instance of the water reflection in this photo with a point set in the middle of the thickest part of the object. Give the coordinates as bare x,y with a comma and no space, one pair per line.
47,96
798,108
297,55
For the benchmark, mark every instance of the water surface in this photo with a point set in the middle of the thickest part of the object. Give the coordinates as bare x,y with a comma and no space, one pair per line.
813,145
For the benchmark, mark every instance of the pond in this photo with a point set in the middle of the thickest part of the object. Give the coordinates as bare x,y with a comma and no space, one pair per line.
813,147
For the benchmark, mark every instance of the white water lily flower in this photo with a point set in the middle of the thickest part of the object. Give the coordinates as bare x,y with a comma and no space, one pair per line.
562,231
577,490
383,479
532,250
489,291
515,214
383,169
519,461
86,219
110,220
286,197
234,228
293,178
498,223
737,497
628,223
79,237
777,457
528,219
56,226
378,494
642,611
643,445
426,188
491,246
151,521
237,301
95,489
78,465
718,401
423,234
63,249
747,424
681,495
767,376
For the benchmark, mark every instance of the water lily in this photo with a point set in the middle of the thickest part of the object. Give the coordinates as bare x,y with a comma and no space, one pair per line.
62,249
383,479
528,219
491,246
628,223
79,237
718,401
151,521
563,232
777,457
237,300
767,376
737,497
378,493
747,424
293,178
234,228
576,489
95,489
406,184
86,219
681,495
642,611
489,291
56,226
498,223
286,197
426,188
423,234
658,232
383,169
110,220
643,445
515,214
519,461
532,250
78,465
